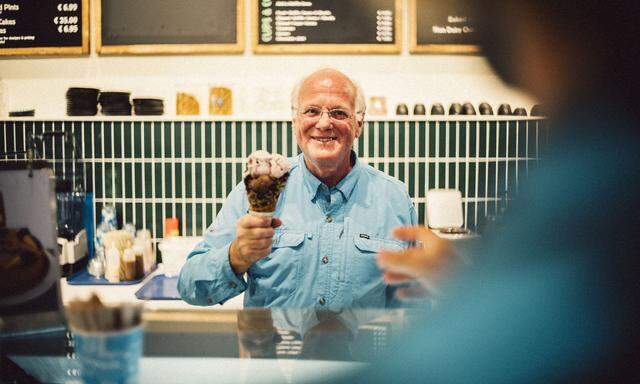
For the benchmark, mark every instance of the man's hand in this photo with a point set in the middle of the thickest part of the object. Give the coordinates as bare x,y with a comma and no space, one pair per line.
426,263
253,241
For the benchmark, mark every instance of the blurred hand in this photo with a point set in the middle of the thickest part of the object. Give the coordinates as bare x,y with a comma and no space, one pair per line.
253,241
426,263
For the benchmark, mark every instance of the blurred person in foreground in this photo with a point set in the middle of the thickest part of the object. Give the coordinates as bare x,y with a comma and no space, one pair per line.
553,294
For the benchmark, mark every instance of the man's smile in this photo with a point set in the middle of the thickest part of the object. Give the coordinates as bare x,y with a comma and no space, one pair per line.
324,139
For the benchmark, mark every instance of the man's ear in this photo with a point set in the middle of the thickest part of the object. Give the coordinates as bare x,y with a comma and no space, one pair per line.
359,123
293,121
294,127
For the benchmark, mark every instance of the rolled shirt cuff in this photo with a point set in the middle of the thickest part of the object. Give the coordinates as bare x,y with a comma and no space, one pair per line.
213,278
233,283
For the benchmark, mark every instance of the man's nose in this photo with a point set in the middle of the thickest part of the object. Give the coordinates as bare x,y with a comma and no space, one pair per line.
324,122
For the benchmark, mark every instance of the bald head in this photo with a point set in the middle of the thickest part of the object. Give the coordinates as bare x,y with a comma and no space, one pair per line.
330,79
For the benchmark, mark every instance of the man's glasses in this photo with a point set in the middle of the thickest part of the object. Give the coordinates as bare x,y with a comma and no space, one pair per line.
335,114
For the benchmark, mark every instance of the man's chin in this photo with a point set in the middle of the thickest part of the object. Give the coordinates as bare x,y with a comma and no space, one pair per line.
324,149
323,156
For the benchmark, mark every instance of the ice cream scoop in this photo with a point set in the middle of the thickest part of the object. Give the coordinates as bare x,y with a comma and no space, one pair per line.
262,163
264,178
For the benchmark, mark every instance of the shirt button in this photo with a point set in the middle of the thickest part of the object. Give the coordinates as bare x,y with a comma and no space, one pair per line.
325,260
322,301
233,284
329,219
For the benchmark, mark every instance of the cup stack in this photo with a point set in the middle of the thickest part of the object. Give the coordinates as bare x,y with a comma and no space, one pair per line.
485,109
148,107
455,109
115,103
82,101
437,109
504,109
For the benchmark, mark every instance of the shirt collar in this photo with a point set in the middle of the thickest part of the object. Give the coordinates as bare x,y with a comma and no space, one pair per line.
348,183
345,186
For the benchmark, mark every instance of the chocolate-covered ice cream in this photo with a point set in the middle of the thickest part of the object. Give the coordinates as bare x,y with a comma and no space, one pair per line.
264,178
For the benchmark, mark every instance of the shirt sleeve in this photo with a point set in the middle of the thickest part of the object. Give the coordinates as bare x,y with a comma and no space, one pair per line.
207,277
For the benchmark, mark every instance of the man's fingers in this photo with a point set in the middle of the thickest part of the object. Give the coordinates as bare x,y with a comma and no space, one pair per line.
257,233
250,221
275,222
250,250
256,245
260,244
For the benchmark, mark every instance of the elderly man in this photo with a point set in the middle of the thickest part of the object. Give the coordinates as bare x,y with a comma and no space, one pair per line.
333,216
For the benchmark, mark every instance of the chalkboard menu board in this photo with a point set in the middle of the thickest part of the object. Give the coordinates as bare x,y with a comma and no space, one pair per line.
327,26
441,26
170,26
30,27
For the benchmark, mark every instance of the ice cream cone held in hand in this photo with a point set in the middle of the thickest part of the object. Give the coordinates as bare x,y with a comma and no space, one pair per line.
264,178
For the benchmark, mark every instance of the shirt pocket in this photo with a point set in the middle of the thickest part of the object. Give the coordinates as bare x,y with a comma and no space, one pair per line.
364,268
278,272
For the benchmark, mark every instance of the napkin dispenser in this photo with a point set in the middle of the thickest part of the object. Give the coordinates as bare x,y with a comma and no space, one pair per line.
444,213
444,209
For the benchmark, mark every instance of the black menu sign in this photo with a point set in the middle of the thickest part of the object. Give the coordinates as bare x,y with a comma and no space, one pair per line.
44,27
441,26
327,26
170,26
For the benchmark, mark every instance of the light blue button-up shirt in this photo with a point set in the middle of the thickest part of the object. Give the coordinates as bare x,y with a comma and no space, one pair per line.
323,255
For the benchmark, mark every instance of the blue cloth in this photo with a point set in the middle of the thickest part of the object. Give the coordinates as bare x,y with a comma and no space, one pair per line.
322,256
553,296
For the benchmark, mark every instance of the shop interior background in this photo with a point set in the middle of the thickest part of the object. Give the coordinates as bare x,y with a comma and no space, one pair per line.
260,83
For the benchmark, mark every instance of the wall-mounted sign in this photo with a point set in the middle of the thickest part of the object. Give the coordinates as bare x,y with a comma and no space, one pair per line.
441,26
326,26
170,27
30,27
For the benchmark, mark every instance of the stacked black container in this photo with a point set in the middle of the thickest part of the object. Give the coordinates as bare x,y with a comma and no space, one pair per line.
115,103
148,107
82,101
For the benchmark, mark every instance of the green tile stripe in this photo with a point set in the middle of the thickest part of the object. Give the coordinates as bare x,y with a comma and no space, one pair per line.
155,169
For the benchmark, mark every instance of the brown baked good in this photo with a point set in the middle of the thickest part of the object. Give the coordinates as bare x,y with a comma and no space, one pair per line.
23,262
187,104
220,101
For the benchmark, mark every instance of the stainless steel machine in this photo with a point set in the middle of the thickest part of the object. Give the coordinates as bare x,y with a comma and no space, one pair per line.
29,207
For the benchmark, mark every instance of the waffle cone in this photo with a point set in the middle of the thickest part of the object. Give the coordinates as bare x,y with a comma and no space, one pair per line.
258,204
263,192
